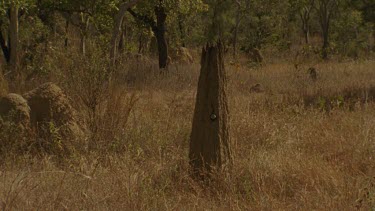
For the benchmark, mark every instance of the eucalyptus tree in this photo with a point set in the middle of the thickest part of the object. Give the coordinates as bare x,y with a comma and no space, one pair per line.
243,7
118,22
155,13
326,10
86,14
304,9
265,22
9,29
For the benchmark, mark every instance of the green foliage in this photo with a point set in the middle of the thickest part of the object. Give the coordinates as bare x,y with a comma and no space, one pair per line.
350,33
191,23
266,23
218,19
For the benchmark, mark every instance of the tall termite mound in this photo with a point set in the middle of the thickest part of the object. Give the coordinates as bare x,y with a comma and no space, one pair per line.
210,141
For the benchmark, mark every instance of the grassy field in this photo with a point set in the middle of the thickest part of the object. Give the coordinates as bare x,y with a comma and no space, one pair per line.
289,153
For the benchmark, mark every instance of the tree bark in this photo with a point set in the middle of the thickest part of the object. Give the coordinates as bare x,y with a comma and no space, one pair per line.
84,27
181,28
159,32
325,20
305,25
326,9
235,34
159,29
83,44
210,149
305,19
66,41
4,46
306,34
325,43
13,36
121,44
119,18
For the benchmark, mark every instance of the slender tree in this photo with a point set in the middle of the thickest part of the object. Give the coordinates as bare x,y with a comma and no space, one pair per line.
326,9
10,46
117,30
158,27
305,14
155,14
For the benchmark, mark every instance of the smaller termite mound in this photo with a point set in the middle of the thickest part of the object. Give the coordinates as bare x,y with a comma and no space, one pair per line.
257,88
15,134
210,141
182,55
255,55
313,74
14,108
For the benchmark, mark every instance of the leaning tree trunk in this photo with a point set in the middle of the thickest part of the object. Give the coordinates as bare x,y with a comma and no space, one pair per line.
181,28
119,18
306,34
4,46
325,41
236,27
85,21
83,44
306,30
159,32
122,42
66,40
13,36
210,149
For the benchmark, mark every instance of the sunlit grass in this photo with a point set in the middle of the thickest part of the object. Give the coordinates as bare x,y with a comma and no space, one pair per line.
287,156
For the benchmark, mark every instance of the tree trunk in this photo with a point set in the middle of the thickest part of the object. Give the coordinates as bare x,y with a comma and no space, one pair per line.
83,44
119,18
85,23
66,34
13,37
140,44
235,35
162,50
325,31
326,9
306,33
159,32
121,44
4,47
305,19
159,29
305,28
210,149
182,31
325,46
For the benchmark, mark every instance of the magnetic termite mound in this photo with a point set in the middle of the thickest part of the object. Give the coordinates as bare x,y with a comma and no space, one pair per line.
210,148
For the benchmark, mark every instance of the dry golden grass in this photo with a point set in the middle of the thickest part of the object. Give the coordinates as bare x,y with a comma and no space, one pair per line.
287,156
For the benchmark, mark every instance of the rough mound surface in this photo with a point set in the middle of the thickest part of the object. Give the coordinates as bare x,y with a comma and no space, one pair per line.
183,55
51,110
255,55
210,141
14,124
14,108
